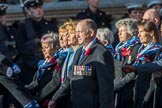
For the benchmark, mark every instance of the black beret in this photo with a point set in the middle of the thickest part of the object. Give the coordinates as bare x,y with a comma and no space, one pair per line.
3,8
32,3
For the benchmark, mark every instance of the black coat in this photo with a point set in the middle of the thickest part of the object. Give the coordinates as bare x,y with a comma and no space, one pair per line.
92,87
8,42
12,84
28,43
28,40
100,17
142,85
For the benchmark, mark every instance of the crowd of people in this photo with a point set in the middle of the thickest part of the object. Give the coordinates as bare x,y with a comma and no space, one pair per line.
82,63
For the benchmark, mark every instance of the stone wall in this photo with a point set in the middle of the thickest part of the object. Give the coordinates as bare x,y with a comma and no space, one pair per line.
63,10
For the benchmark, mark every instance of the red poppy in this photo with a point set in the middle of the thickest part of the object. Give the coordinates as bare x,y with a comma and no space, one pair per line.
57,67
52,60
126,52
88,51
147,57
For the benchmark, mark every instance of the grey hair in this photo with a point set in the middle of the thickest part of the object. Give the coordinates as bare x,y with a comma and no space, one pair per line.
105,34
131,25
51,38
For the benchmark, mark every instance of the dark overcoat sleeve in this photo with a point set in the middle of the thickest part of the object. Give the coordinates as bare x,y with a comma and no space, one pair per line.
150,67
50,88
62,90
105,76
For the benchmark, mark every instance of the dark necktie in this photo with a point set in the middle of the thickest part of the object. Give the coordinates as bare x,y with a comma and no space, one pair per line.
82,55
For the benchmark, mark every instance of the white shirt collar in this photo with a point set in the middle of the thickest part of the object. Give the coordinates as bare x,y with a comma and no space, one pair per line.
90,44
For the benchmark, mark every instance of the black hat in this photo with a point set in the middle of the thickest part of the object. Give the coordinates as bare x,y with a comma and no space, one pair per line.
32,3
3,8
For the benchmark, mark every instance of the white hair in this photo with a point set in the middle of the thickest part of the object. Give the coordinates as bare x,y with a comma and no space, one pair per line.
105,34
130,24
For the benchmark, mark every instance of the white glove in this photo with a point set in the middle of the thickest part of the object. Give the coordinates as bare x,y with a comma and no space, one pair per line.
16,68
9,72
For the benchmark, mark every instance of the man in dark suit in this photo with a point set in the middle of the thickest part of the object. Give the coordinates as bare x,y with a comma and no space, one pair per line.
93,12
91,80
29,35
7,38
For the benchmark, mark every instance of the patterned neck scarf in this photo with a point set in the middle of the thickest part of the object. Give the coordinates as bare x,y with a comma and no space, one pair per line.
144,53
57,60
64,71
43,65
110,48
128,44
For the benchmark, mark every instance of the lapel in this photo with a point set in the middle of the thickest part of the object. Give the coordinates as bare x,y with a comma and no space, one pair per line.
77,55
92,47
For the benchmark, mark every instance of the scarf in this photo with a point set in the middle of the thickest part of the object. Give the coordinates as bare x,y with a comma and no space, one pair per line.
144,53
110,48
57,60
121,46
64,72
43,65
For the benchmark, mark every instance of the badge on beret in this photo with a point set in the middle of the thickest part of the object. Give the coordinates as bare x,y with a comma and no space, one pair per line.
9,72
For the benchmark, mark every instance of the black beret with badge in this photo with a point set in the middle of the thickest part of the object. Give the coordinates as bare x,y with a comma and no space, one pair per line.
3,8
32,3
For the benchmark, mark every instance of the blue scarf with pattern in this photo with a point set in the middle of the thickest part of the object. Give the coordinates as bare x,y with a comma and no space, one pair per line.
128,44
110,48
64,72
58,58
144,53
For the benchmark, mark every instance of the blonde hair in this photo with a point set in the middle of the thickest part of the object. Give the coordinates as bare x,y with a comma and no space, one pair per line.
62,29
70,25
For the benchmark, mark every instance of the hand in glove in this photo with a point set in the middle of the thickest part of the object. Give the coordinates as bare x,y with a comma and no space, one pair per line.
129,69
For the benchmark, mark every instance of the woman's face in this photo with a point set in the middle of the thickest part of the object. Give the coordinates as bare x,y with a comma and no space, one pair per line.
48,50
63,40
123,34
144,36
72,39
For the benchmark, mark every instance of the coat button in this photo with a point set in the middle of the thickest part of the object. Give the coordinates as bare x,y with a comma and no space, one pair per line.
12,36
14,46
